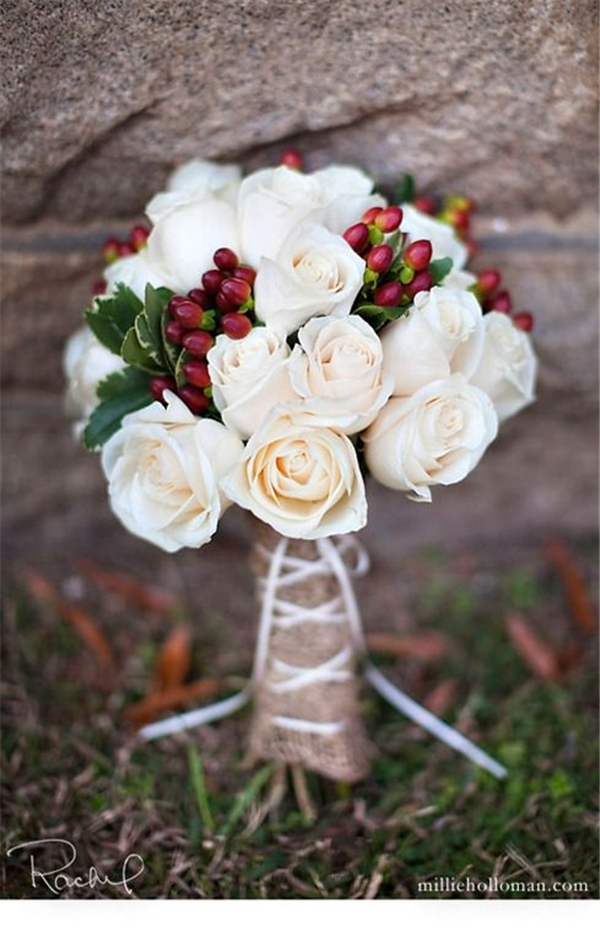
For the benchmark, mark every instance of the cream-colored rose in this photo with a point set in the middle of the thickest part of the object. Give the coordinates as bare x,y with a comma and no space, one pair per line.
459,279
445,243
164,469
193,181
249,377
507,370
435,436
133,271
272,202
303,481
442,333
85,363
337,368
314,272
182,244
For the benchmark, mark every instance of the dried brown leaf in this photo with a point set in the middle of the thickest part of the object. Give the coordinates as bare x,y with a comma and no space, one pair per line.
582,610
173,662
147,598
426,646
158,702
539,656
440,699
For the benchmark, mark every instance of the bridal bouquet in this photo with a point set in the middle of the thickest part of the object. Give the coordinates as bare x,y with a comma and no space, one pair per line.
272,340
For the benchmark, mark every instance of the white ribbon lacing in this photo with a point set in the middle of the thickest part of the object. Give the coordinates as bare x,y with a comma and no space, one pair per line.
343,558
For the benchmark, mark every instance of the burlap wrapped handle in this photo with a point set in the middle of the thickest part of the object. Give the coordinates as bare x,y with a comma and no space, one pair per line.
306,693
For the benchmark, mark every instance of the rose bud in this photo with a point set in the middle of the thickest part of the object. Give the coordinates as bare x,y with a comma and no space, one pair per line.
488,281
380,258
357,236
291,158
110,250
369,216
225,259
501,302
194,399
418,254
174,332
389,295
211,280
421,282
245,273
198,342
138,237
424,204
200,297
158,384
196,373
524,321
235,291
236,326
388,220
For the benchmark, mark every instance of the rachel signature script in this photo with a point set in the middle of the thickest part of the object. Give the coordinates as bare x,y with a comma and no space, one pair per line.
58,880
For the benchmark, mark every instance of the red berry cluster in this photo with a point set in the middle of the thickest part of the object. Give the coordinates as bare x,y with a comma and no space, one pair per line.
120,248
395,275
222,305
492,299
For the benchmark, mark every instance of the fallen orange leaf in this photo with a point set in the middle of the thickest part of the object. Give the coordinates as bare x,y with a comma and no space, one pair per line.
160,700
147,598
441,697
581,607
87,629
173,662
426,646
543,660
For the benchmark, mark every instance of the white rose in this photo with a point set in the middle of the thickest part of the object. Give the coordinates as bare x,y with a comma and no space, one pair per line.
460,280
272,202
249,377
86,362
315,272
184,240
436,436
303,481
195,180
338,369
164,469
133,271
508,367
444,241
442,333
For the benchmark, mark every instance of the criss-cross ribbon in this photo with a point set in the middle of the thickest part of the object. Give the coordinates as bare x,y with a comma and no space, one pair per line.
342,558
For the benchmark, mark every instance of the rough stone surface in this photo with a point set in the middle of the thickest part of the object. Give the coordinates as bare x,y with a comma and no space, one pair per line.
102,96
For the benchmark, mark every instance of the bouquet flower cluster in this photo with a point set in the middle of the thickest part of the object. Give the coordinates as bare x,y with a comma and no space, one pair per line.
270,340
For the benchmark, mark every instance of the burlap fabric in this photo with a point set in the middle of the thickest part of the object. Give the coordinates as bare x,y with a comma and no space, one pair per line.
340,750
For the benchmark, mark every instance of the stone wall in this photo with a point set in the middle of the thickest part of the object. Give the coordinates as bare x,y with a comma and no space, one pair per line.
101,99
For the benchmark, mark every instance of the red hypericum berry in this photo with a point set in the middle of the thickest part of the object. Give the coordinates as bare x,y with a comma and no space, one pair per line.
380,258
198,296
236,326
488,281
158,384
110,249
461,220
524,321
174,332
425,204
198,343
418,254
245,273
389,295
138,237
99,287
211,280
369,216
421,282
388,219
235,291
225,259
472,247
291,158
501,302
196,373
357,236
194,399
188,314
124,250
174,303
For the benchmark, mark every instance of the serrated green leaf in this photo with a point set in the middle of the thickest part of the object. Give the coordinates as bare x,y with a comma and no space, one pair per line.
156,300
406,189
107,332
135,354
111,318
377,316
120,393
171,351
439,268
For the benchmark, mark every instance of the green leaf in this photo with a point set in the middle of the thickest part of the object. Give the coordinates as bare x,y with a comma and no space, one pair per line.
439,268
171,351
105,330
156,300
179,374
406,189
377,316
136,354
120,393
111,318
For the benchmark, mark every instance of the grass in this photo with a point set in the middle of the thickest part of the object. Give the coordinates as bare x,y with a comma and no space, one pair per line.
196,815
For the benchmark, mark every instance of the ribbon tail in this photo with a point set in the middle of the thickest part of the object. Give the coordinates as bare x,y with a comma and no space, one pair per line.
199,717
404,704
